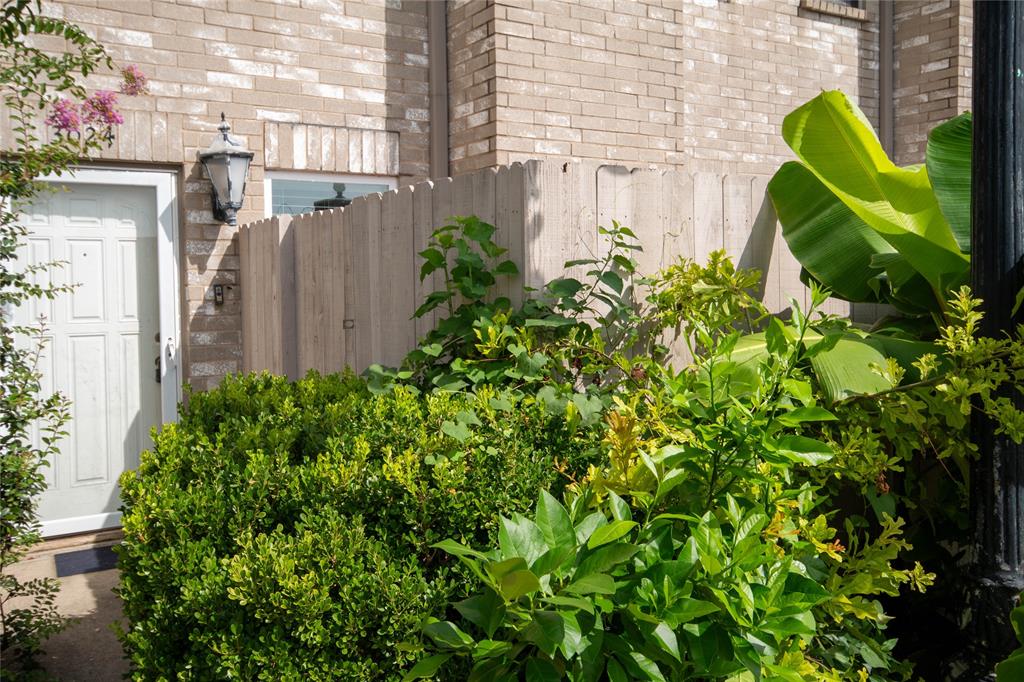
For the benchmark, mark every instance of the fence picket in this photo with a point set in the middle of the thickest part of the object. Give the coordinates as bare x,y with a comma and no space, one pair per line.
357,250
678,210
423,225
707,215
646,219
336,355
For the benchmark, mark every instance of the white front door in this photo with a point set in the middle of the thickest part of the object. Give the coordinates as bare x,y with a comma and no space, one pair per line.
106,351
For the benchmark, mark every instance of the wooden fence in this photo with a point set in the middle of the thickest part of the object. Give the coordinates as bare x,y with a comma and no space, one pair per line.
338,288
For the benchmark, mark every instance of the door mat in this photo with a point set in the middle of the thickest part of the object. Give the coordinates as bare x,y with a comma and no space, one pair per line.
85,561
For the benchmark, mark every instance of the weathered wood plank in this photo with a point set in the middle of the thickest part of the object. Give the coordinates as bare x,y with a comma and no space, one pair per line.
462,195
707,215
678,210
736,216
546,235
582,195
647,220
357,247
378,271
423,227
245,276
515,220
336,357
395,287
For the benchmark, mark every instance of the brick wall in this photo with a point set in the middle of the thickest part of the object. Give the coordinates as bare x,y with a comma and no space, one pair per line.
471,85
319,85
932,70
702,83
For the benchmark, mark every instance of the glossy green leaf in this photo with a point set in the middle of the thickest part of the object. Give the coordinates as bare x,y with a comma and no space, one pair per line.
541,670
457,549
610,533
596,583
804,450
849,369
520,537
612,280
484,610
830,241
549,629
447,635
803,415
690,609
666,639
643,668
615,671
554,523
457,430
506,267
620,509
834,140
948,160
519,583
427,667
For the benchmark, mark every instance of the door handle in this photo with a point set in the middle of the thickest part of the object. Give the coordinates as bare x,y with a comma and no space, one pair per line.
156,368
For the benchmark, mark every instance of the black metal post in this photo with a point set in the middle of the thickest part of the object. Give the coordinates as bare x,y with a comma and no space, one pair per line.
997,477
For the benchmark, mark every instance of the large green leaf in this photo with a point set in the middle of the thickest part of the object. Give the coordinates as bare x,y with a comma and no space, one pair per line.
849,369
520,537
834,140
485,610
427,667
830,241
948,160
554,523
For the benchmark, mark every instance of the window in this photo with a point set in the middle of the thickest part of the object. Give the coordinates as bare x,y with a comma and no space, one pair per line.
846,9
295,193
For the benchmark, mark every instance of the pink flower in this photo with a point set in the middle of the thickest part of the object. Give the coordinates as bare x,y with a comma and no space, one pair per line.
100,109
135,82
64,116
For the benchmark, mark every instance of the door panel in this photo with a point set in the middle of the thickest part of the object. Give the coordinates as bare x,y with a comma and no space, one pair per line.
105,336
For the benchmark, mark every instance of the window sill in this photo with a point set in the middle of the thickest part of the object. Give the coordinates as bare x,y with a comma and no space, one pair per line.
835,9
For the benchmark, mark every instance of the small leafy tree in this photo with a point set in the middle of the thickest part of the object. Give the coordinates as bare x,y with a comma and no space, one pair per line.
55,122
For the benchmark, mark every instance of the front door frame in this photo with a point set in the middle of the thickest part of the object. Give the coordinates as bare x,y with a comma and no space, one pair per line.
165,185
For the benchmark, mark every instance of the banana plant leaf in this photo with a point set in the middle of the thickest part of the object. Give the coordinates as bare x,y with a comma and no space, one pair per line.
948,160
832,244
835,142
839,250
851,367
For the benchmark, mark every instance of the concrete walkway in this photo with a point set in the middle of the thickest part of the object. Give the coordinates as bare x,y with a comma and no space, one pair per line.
88,650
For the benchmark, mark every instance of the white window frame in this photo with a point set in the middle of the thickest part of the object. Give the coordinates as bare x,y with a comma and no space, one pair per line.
270,176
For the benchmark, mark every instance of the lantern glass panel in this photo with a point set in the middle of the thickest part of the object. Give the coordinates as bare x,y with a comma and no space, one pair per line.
217,169
238,171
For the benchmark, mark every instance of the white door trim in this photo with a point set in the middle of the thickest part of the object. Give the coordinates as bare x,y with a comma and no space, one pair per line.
168,283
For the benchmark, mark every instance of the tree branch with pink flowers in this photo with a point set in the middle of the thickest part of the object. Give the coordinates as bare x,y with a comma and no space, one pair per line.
55,122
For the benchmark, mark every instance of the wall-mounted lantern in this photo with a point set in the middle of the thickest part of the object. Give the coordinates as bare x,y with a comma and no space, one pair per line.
226,161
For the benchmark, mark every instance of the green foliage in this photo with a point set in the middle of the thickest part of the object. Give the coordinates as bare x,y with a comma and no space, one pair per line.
867,229
31,79
775,484
700,549
569,343
284,530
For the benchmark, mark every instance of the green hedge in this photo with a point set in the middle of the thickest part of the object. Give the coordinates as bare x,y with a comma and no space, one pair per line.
282,530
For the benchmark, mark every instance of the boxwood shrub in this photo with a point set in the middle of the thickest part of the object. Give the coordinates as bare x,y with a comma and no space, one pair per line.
282,530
